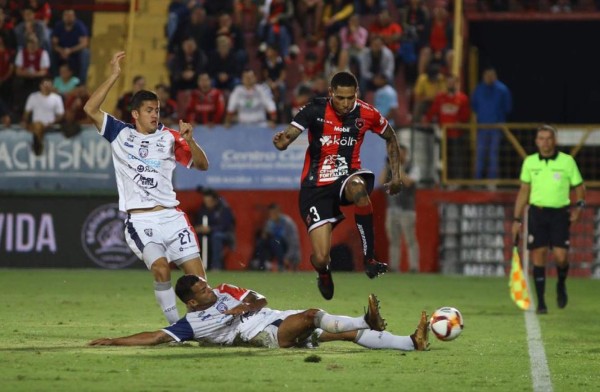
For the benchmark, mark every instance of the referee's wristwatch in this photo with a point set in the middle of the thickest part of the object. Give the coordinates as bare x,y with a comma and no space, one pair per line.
580,203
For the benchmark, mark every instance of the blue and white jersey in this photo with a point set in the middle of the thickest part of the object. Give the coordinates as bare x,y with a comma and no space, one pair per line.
212,326
144,164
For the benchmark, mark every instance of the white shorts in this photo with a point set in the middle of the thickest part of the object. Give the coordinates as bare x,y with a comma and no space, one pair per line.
260,330
169,227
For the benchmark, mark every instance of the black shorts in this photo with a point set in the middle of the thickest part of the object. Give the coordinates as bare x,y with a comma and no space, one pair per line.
320,205
548,227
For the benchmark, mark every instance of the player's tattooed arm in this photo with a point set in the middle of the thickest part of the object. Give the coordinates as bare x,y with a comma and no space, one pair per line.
139,339
283,139
393,151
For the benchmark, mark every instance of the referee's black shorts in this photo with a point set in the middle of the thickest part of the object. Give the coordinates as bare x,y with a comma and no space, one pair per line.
548,227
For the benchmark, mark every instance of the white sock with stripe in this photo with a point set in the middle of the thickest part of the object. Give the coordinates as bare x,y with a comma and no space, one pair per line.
165,296
377,340
337,324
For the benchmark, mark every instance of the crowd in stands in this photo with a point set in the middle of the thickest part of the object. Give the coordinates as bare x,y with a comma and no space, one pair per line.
243,61
258,62
43,68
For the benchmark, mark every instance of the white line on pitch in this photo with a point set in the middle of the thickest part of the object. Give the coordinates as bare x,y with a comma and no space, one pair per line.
540,374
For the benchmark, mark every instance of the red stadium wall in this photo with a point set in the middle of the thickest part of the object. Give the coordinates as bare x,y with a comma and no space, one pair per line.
250,210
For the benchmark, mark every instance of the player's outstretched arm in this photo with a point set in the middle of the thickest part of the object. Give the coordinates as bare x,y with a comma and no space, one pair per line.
393,151
92,106
186,130
139,339
283,139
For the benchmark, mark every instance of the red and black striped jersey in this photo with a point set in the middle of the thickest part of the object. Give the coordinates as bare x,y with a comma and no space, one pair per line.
334,141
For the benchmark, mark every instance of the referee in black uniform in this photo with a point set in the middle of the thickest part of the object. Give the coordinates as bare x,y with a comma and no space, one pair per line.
546,181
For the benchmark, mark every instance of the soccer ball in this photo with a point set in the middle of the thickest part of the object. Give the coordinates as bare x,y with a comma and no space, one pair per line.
446,323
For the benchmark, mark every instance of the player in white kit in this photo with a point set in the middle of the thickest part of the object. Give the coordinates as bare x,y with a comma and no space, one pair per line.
144,157
232,316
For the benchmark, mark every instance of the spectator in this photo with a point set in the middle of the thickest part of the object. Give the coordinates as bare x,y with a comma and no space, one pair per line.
74,113
188,63
168,106
251,102
336,57
42,11
492,103
336,14
378,59
178,16
400,215
32,64
29,26
7,71
439,38
70,40
308,14
311,69
390,31
7,32
279,240
123,109
199,30
416,18
225,27
302,96
223,67
207,104
220,228
65,82
428,86
275,27
43,111
274,75
452,107
354,36
385,99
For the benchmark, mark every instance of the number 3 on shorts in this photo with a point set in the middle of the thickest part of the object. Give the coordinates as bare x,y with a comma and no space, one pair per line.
315,213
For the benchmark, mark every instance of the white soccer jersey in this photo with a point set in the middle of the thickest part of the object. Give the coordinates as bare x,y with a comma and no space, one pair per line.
212,326
144,164
251,105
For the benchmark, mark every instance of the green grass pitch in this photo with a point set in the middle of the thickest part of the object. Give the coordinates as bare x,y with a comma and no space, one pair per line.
48,316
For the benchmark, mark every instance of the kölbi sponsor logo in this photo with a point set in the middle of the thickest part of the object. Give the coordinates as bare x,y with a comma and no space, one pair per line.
103,237
341,141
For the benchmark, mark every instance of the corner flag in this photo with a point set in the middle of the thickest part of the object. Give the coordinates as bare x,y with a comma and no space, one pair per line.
517,283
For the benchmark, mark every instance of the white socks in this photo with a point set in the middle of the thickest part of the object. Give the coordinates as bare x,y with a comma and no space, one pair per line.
337,324
165,296
376,340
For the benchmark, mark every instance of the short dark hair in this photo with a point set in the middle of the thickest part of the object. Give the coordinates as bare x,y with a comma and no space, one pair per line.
343,79
210,193
183,288
137,78
273,206
143,95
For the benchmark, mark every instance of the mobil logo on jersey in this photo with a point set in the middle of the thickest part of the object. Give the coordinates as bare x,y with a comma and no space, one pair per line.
337,128
329,140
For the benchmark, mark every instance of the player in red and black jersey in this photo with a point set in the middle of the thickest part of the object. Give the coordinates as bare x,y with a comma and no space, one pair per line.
332,175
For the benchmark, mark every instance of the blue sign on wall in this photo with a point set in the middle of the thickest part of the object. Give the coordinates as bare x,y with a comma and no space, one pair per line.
80,163
240,158
245,158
